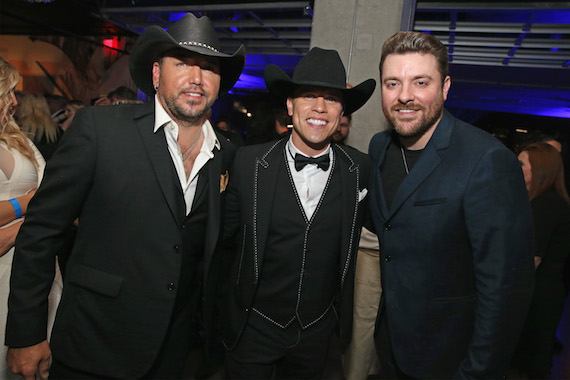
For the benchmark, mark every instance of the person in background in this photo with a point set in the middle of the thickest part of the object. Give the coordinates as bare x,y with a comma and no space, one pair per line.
65,118
120,95
282,121
341,133
544,177
35,119
360,359
224,128
146,182
453,219
21,170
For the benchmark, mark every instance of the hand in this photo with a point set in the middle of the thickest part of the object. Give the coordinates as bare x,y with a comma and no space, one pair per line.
29,361
102,101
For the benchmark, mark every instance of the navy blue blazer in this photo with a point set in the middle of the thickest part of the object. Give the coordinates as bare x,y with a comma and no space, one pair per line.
456,254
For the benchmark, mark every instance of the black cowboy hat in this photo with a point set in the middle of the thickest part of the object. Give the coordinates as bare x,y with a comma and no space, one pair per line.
189,33
323,68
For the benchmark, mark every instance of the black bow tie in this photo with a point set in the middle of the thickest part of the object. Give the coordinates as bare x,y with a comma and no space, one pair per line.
323,162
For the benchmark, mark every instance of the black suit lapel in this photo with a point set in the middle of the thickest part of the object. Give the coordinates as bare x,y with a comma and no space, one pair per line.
349,175
381,204
266,171
159,157
427,162
211,185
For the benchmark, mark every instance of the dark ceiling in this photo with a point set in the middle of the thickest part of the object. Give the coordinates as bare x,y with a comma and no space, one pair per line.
506,56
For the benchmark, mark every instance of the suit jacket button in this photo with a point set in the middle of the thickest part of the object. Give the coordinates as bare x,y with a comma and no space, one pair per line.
176,248
388,258
387,227
171,286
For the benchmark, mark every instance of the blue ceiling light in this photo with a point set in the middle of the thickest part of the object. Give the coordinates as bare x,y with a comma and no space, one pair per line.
176,16
554,17
235,17
249,82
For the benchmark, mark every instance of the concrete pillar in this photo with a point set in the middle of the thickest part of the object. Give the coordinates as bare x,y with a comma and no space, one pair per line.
357,29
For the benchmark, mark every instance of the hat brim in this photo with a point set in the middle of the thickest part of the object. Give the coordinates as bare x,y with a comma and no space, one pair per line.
155,42
280,85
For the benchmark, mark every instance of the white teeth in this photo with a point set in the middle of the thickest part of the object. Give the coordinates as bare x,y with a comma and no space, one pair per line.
316,122
193,94
406,111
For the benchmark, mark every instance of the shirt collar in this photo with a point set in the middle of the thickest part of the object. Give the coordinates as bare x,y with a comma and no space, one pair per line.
161,118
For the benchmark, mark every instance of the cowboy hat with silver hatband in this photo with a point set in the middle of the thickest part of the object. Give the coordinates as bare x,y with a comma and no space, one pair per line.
322,68
189,33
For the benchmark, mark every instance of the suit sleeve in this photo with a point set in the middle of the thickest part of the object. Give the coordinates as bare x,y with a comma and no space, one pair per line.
499,224
51,212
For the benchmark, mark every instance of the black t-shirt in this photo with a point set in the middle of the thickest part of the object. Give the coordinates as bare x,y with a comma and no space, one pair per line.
394,170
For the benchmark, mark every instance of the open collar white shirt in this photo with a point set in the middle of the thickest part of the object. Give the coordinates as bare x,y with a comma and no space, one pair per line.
310,181
163,120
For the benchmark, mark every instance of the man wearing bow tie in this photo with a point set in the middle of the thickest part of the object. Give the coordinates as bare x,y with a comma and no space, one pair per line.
294,209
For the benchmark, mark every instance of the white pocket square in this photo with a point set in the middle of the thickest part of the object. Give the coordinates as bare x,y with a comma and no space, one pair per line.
361,194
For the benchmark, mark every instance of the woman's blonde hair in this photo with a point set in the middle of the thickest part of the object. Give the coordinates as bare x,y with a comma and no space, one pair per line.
34,118
10,133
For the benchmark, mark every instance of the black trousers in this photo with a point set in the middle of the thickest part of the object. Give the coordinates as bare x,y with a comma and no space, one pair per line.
388,367
265,350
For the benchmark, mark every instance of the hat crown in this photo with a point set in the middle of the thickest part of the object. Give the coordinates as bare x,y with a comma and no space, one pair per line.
201,30
321,66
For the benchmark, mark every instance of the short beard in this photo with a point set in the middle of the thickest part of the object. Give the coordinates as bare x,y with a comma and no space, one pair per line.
422,126
183,114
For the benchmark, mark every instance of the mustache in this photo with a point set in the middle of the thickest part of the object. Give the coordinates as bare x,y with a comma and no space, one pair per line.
410,106
194,88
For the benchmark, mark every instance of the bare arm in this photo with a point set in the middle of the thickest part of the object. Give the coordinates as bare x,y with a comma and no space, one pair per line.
29,361
8,237
7,212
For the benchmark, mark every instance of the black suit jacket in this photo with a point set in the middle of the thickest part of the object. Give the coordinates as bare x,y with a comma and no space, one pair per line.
248,208
456,254
116,175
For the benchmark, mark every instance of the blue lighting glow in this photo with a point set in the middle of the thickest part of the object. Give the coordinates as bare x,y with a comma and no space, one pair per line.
176,16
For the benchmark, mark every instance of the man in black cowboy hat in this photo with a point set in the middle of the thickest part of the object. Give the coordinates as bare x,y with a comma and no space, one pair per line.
146,182
294,211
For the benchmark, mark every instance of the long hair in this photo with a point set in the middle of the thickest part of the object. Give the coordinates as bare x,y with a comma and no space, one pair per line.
34,118
547,170
10,133
417,42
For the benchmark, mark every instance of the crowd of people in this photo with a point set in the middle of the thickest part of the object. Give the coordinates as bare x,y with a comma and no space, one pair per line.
440,254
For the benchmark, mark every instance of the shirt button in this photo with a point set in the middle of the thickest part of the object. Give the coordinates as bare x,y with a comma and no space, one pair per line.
388,258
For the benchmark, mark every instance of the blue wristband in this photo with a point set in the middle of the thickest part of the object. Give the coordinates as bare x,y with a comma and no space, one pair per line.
17,207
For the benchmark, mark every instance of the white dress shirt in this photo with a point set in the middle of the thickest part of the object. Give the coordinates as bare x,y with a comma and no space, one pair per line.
310,181
163,120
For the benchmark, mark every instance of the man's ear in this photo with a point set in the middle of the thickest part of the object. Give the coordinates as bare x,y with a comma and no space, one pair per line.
446,86
155,74
290,106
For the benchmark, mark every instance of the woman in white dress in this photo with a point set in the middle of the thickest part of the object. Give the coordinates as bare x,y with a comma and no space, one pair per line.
21,170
